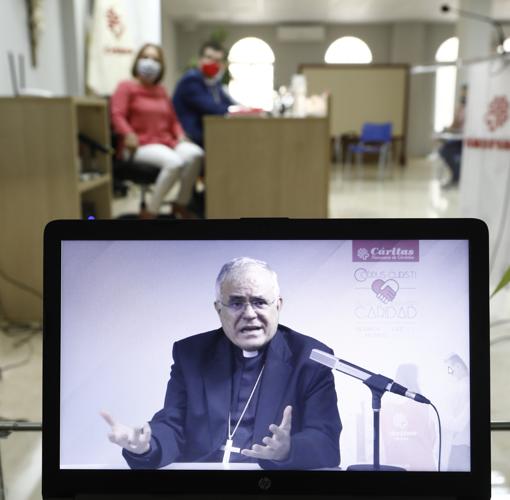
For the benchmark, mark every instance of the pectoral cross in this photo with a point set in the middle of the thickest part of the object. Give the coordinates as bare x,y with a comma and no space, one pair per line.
228,449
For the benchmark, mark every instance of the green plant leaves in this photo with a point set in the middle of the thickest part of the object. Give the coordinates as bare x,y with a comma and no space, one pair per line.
504,281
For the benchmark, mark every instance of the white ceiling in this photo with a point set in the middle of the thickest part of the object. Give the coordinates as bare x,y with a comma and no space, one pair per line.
319,11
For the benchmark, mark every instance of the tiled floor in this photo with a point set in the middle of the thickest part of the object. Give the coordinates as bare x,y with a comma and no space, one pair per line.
410,192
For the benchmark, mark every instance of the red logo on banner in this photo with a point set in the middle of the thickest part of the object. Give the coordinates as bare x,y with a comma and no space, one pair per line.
497,114
114,22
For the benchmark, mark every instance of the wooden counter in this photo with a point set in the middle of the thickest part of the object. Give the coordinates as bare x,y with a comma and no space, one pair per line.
266,167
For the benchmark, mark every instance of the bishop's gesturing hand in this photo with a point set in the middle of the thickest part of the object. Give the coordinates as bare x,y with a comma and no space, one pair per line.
134,439
277,446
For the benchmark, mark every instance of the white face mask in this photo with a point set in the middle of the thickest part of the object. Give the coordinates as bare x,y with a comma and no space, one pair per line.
148,68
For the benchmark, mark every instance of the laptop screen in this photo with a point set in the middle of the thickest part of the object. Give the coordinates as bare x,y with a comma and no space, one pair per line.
396,308
266,354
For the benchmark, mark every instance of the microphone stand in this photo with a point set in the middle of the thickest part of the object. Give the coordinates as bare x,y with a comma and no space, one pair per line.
377,385
480,17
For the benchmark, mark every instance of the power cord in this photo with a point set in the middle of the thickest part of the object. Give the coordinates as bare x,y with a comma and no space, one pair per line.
20,285
13,328
16,364
24,340
440,438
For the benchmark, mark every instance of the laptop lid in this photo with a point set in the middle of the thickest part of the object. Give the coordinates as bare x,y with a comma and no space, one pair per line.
163,339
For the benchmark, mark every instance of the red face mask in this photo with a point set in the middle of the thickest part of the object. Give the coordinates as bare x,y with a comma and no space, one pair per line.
210,70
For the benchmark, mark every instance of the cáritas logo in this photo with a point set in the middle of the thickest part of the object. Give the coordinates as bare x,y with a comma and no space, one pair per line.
497,114
385,251
114,22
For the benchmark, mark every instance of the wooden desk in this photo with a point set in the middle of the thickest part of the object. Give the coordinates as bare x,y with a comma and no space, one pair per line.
39,181
266,167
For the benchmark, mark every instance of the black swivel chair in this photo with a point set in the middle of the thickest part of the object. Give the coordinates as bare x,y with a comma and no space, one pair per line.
141,173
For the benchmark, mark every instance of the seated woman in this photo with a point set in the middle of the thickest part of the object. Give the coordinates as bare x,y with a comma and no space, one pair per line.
143,115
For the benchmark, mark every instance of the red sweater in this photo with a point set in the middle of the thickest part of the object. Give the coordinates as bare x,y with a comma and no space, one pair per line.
147,111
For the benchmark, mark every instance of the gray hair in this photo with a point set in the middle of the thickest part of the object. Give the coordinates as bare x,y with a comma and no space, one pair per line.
235,265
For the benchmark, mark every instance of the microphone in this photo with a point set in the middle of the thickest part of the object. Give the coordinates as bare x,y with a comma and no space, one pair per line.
445,8
372,380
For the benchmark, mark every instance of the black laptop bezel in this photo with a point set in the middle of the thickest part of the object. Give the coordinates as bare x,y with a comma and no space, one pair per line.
58,482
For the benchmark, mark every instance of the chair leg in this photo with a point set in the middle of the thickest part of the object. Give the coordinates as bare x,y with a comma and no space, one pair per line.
143,191
383,157
348,164
389,160
358,164
337,144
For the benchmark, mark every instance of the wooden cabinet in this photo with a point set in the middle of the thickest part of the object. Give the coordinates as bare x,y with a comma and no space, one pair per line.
267,167
41,179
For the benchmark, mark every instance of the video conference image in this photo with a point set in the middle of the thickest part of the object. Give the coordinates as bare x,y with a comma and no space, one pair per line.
265,354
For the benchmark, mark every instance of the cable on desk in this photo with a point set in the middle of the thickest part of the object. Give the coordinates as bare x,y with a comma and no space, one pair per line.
11,328
21,362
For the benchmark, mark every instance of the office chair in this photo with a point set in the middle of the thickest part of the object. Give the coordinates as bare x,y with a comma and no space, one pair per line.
143,174
374,138
140,173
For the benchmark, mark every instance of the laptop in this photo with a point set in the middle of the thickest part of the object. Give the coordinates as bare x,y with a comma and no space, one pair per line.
273,357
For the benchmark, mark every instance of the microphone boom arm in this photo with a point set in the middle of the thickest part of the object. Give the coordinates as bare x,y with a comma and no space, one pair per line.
372,380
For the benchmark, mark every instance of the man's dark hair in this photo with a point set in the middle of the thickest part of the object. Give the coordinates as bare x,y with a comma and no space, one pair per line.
212,44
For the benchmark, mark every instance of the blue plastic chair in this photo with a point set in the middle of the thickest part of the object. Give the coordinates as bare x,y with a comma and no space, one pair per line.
375,138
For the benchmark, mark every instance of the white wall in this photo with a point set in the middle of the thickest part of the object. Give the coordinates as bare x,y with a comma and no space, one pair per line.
75,19
61,54
169,42
50,72
411,42
408,45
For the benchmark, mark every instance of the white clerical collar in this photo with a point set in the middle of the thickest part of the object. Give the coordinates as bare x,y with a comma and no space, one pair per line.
250,354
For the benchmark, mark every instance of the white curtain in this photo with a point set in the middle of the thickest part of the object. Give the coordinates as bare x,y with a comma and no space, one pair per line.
119,28
485,171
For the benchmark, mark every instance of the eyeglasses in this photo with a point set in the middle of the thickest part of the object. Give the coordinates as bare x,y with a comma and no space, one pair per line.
238,305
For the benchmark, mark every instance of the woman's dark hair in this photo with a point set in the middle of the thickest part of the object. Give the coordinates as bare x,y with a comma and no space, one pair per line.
161,61
212,44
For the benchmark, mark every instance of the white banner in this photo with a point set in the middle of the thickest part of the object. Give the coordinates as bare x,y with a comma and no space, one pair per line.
119,28
485,171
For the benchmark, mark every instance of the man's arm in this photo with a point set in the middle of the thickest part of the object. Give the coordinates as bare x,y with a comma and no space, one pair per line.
199,99
317,444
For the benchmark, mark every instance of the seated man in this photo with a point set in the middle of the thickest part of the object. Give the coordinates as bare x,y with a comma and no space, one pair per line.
199,92
229,386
